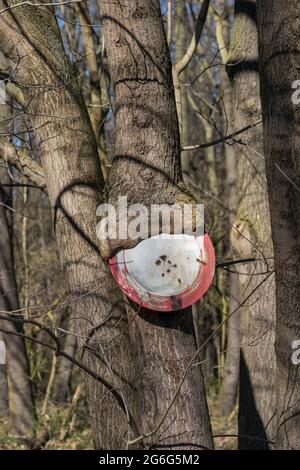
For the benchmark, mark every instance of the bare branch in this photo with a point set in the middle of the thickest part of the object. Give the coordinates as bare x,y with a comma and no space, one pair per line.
27,2
230,262
59,352
169,37
220,36
181,65
221,139
184,62
21,159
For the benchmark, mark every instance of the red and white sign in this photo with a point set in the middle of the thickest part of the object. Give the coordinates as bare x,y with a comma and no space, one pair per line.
166,272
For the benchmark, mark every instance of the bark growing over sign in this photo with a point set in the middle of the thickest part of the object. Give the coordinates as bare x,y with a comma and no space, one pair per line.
147,169
251,237
279,49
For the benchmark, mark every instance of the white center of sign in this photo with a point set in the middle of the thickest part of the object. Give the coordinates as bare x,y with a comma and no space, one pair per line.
165,265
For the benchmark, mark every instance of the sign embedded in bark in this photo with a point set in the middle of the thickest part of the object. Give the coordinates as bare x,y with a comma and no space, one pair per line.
165,272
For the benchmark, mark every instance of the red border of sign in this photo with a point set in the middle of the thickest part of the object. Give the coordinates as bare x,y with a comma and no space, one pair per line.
169,303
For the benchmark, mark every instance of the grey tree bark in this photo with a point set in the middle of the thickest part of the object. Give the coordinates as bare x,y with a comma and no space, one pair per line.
71,165
252,237
21,405
279,48
160,346
147,169
229,388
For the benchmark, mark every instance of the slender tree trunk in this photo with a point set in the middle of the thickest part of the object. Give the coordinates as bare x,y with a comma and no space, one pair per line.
64,371
252,237
21,405
279,48
99,99
3,380
22,413
229,390
180,42
146,168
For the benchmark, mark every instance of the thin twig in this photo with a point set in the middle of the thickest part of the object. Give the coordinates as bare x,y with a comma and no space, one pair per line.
221,139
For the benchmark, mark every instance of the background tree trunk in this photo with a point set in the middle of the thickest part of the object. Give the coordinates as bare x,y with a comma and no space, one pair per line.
229,389
252,237
99,99
64,370
180,41
21,406
3,383
279,48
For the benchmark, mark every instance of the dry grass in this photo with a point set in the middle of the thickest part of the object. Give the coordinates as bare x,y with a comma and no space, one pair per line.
224,428
58,430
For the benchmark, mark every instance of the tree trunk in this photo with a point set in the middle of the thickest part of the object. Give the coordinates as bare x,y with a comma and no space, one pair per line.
279,48
147,166
64,372
21,405
180,42
229,390
98,93
3,380
22,413
71,164
252,237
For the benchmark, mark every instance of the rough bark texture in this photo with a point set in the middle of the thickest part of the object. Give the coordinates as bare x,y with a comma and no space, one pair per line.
147,131
146,168
279,48
252,237
72,170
